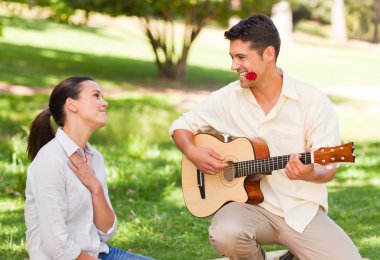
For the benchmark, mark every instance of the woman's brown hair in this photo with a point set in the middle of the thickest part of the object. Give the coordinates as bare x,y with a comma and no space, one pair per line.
41,131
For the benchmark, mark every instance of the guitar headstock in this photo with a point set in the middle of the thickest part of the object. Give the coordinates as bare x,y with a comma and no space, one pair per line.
336,154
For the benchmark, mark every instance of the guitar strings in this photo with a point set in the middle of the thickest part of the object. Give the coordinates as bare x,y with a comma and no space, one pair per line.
245,168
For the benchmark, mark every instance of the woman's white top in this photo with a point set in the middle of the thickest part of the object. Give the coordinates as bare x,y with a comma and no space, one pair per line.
58,208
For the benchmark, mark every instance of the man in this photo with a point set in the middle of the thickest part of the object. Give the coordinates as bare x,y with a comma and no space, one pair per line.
290,116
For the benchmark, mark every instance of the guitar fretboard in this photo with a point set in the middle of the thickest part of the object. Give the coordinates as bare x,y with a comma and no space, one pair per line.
259,166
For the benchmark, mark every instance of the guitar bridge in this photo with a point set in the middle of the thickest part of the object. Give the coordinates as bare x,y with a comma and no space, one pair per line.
201,183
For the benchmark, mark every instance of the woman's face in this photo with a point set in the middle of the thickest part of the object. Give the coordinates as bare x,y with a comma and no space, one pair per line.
91,106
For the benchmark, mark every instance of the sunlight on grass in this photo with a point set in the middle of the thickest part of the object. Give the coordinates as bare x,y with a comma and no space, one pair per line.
315,60
102,41
143,169
358,124
174,196
143,165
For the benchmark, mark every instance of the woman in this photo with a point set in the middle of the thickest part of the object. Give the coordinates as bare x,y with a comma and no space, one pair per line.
68,213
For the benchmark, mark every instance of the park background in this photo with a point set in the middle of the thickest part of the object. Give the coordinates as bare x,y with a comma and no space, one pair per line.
44,42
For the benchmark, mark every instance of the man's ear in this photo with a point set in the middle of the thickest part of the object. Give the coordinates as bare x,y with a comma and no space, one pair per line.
70,105
269,54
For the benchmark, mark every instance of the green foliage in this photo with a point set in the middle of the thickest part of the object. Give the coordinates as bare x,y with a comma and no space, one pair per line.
318,10
250,7
313,28
158,18
60,10
360,22
361,16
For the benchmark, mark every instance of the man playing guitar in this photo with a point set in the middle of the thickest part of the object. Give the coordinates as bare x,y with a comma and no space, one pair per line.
291,117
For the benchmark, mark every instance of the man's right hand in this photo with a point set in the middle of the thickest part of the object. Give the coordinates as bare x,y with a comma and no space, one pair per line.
206,159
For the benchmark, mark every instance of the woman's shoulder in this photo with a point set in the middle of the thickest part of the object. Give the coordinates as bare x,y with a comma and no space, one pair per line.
51,155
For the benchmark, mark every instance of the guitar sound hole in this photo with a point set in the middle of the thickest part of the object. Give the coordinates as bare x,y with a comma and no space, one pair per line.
229,173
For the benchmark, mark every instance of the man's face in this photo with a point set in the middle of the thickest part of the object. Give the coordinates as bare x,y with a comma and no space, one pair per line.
244,60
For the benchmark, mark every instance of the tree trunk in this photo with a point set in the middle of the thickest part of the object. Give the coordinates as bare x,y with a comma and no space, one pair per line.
376,21
181,65
338,21
161,35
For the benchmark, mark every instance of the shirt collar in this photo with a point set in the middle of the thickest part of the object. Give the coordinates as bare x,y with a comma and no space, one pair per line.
69,146
288,87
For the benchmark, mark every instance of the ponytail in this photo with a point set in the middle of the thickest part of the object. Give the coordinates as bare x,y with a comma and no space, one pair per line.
41,131
40,134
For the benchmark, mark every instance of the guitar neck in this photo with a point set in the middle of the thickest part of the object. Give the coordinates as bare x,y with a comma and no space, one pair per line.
259,166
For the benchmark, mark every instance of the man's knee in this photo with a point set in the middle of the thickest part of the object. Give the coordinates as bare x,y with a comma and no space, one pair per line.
228,237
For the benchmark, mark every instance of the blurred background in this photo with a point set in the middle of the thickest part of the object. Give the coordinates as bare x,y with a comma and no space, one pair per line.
156,59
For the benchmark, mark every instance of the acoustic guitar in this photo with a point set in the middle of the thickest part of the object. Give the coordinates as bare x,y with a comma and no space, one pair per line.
248,160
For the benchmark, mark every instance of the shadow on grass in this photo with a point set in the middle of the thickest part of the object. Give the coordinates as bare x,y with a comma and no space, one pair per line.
41,67
161,229
41,25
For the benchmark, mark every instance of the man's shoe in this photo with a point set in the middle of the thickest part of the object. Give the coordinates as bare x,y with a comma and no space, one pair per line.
287,256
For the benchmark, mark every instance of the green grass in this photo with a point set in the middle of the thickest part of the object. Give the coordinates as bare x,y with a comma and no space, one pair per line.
40,53
119,55
144,181
143,176
143,165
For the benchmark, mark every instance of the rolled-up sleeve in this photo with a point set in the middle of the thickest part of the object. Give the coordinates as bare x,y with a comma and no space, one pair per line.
104,237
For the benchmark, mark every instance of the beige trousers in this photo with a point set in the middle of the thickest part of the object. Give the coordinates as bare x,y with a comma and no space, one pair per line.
238,229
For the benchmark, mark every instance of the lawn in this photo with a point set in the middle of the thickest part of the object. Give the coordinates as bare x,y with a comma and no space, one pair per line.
36,52
143,165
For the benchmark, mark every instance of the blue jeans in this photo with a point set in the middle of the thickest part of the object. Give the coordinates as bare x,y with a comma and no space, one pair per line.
118,254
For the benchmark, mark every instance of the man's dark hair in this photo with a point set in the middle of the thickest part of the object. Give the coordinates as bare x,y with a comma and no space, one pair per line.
259,30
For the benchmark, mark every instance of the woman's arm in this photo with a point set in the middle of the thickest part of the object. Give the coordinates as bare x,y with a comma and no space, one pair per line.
104,216
84,256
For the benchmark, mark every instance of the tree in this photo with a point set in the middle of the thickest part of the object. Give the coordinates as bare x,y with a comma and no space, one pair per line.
364,19
171,26
161,20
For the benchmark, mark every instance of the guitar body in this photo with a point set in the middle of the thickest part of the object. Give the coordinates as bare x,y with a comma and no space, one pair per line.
223,187
204,194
